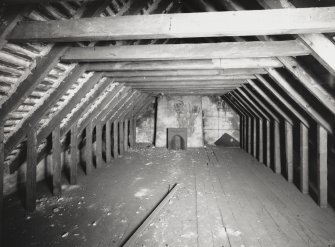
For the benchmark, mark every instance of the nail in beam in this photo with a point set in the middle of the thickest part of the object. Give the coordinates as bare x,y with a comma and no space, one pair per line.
115,140
31,169
304,159
74,154
98,142
322,140
108,142
88,147
56,161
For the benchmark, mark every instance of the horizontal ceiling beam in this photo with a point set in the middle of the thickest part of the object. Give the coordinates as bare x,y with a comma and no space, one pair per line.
190,72
177,87
183,78
252,49
204,64
185,25
185,83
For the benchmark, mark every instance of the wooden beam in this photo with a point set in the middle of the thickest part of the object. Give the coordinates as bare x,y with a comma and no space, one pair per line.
131,131
185,25
222,78
283,83
190,72
74,154
304,159
2,169
252,49
31,169
98,143
121,137
321,46
277,157
56,162
126,134
108,142
322,171
311,83
289,151
204,64
73,102
115,139
89,149
187,83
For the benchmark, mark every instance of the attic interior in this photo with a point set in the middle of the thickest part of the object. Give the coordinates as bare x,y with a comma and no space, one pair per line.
167,123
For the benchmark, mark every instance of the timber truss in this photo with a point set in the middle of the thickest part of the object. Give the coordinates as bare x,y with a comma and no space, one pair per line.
71,71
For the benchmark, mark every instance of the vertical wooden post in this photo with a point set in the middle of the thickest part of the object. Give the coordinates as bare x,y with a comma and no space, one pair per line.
115,139
246,122
88,147
121,137
249,135
126,140
56,162
98,143
31,169
241,131
134,133
322,152
131,132
260,144
2,167
289,150
74,154
304,183
254,149
268,143
108,142
277,159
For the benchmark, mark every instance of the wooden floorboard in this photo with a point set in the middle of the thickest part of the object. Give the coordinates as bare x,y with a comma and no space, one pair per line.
226,198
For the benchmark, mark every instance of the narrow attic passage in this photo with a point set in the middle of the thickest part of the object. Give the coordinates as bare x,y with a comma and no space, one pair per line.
196,122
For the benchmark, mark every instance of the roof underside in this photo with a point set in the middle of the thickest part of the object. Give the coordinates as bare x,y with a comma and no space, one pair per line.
47,82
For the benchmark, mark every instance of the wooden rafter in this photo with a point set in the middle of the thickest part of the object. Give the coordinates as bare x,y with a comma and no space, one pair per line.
253,49
186,25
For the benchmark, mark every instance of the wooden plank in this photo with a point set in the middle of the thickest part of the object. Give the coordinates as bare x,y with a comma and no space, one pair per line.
189,72
261,142
304,160
56,162
204,64
131,240
121,137
74,154
322,174
185,25
98,143
35,117
181,78
2,169
31,170
251,49
89,149
268,144
131,132
115,139
289,150
297,97
134,130
108,142
38,74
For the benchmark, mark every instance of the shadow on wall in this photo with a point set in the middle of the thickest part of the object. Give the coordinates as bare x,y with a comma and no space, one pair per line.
227,140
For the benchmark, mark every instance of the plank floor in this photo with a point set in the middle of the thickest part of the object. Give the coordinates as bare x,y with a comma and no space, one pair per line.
226,198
